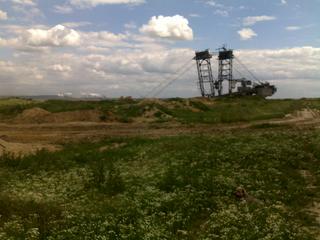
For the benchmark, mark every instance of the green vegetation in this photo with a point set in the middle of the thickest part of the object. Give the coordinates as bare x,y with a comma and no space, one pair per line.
222,110
228,110
166,188
13,102
12,106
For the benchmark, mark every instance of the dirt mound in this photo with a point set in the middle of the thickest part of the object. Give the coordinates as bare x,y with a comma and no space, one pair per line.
152,114
33,115
77,116
38,115
22,149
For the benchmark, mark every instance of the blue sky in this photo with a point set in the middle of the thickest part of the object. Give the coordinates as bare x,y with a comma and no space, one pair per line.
126,47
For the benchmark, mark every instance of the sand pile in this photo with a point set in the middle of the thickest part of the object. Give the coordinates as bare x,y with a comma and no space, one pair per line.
151,115
38,115
77,116
33,115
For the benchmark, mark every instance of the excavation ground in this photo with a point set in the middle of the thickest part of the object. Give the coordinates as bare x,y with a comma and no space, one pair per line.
76,132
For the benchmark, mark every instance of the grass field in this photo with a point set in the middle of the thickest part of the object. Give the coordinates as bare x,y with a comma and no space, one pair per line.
180,187
224,110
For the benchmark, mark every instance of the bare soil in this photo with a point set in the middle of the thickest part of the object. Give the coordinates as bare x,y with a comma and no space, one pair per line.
39,115
305,116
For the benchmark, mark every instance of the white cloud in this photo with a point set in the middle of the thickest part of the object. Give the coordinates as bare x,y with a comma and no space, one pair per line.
27,10
76,24
63,95
246,33
113,65
284,2
43,38
175,28
92,95
251,20
130,25
221,10
58,36
25,2
136,71
60,68
63,9
215,4
194,15
8,42
223,13
13,75
102,41
3,15
293,28
291,63
94,3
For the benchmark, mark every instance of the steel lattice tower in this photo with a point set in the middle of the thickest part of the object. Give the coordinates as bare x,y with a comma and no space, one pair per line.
205,73
225,69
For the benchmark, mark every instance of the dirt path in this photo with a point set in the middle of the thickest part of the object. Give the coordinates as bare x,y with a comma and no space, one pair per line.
23,139
305,116
56,133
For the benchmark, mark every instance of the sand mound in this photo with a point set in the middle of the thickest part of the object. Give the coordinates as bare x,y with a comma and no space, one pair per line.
33,115
22,149
38,115
152,114
76,116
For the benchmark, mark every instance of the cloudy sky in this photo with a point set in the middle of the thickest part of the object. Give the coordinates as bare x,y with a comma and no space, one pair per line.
129,47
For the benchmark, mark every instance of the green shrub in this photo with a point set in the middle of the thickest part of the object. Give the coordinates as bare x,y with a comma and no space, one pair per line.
199,105
14,212
106,177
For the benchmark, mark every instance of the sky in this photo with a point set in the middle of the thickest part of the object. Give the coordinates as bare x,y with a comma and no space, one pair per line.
133,48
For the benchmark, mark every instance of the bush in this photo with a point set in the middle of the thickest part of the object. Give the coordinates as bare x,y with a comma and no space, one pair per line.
41,216
106,177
